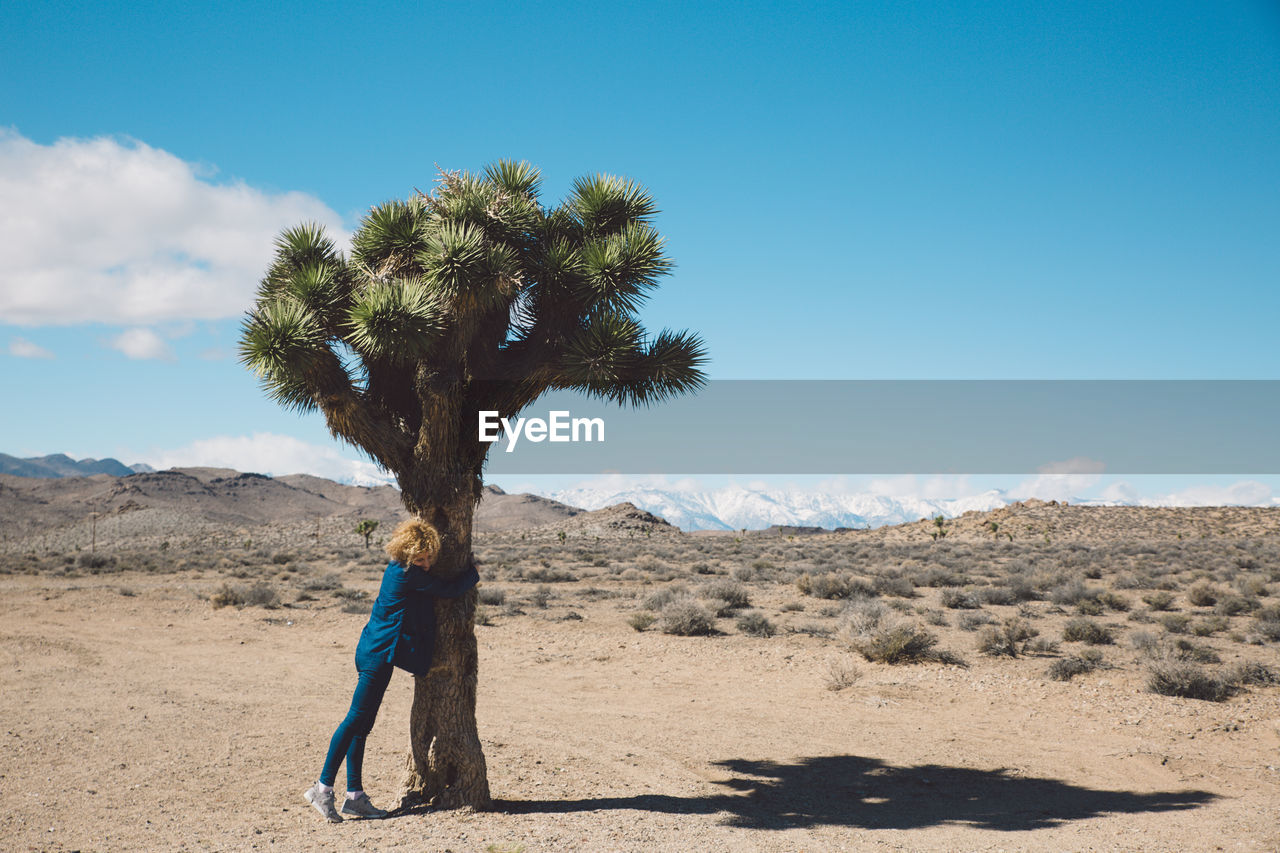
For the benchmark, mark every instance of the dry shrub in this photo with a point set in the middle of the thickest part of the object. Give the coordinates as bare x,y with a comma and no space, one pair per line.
956,599
972,620
1115,602
240,595
493,595
1083,630
1072,592
660,598
327,582
1252,672
1209,626
935,617
1202,595
756,624
833,585
901,642
1252,587
731,592
1009,639
1266,623
899,586
871,630
1159,600
1170,675
1232,605
1068,668
842,673
641,621
1001,595
1187,650
685,617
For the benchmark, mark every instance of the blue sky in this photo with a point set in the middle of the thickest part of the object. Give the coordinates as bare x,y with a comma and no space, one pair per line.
871,190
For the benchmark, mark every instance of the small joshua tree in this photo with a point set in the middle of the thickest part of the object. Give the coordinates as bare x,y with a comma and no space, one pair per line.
365,528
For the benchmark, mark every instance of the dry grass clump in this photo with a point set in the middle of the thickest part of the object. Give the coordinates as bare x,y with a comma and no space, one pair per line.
731,592
1251,672
1266,624
660,598
956,599
756,624
1172,675
641,621
493,595
834,585
998,595
895,585
323,583
972,620
1233,605
1114,601
1067,668
1085,630
241,595
842,673
1074,592
1202,594
1009,639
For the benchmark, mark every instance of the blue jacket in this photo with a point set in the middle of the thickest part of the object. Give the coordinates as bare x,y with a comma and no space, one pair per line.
402,626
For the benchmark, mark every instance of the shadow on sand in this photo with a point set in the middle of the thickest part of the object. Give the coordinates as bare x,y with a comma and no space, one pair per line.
845,790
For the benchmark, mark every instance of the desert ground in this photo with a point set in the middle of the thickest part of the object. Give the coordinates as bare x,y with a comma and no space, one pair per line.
963,687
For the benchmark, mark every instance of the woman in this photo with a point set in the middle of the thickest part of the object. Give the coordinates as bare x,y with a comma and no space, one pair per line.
400,632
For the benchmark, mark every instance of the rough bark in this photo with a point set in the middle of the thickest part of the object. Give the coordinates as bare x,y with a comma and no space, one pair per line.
446,765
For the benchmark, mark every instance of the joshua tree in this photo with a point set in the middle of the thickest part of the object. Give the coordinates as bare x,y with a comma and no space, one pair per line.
472,297
365,528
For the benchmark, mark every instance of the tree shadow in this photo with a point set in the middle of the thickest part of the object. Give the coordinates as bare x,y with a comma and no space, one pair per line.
846,790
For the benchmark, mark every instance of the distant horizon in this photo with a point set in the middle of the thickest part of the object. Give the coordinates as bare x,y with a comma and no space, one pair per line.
684,500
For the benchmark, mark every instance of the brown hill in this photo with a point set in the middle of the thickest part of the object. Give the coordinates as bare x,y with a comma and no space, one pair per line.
185,504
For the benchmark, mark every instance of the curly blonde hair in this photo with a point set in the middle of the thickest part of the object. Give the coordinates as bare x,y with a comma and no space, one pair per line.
411,539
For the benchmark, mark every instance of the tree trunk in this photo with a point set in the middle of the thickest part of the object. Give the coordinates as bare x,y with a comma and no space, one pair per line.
446,766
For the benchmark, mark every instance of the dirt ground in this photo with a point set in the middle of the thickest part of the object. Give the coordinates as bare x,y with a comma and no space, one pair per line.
135,716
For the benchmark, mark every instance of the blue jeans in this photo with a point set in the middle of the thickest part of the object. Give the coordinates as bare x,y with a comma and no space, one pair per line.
349,738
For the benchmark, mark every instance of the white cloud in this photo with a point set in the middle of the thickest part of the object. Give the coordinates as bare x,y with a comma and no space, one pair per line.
1120,492
99,230
1076,465
272,454
142,344
935,487
1243,493
23,348
1054,487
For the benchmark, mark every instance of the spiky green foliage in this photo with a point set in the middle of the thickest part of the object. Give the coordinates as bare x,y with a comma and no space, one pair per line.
472,296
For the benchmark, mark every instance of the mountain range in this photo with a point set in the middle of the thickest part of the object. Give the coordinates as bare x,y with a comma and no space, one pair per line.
60,465
741,508
730,508
738,508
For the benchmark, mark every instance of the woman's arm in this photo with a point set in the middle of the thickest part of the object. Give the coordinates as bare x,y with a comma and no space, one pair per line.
420,581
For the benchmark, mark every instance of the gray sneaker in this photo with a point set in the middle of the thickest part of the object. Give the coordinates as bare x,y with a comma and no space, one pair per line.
323,801
361,807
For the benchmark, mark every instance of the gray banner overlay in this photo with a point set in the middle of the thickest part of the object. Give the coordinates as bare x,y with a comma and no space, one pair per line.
915,427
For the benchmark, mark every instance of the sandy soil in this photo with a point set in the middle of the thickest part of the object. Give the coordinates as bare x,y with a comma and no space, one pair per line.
149,720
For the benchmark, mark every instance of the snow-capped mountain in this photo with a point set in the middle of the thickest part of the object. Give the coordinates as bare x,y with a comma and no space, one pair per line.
737,508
